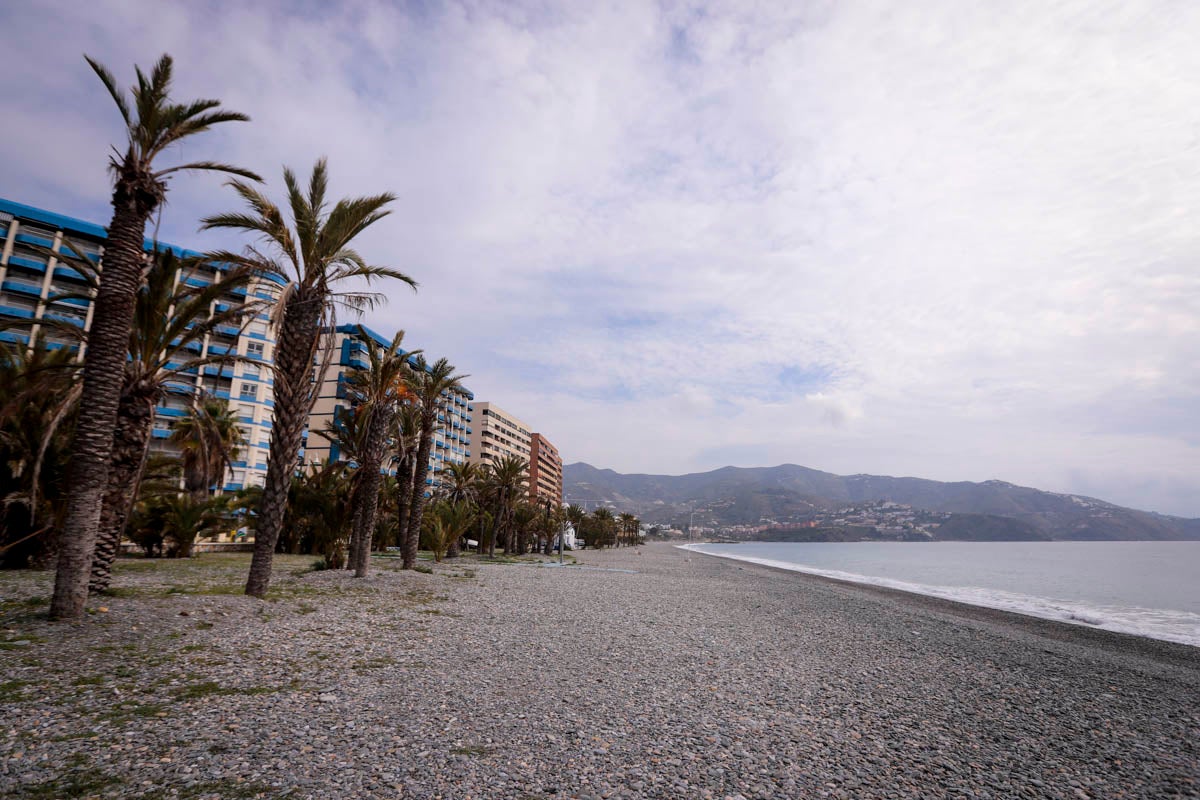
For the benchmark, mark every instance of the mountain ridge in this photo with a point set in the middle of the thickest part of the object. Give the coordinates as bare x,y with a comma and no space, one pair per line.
792,493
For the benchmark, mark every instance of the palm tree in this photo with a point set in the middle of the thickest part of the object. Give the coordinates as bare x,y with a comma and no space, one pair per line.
507,481
576,516
376,393
171,320
428,383
460,484
449,520
183,519
315,257
318,502
605,524
526,518
39,390
628,525
209,439
406,439
152,123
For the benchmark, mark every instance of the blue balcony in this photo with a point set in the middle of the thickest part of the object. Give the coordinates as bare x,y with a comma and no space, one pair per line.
159,433
12,311
29,238
27,263
23,287
67,272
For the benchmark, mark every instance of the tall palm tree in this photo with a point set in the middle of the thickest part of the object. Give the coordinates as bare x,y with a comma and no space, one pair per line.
627,523
507,482
209,439
406,440
314,255
376,393
171,320
152,124
428,383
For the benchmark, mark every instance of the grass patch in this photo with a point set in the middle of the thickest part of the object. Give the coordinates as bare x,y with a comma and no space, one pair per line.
89,680
127,711
11,690
472,750
212,688
82,783
24,604
226,789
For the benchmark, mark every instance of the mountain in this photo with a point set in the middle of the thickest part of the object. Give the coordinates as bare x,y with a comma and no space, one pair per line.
788,493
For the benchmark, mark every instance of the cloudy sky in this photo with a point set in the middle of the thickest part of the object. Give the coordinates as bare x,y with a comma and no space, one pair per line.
958,240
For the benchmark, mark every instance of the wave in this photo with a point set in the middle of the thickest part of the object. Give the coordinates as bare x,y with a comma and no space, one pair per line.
1182,627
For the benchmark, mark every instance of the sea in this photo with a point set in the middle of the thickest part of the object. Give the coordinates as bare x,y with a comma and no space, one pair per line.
1148,589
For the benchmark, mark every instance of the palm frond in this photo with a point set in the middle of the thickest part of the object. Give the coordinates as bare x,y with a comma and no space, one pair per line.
213,166
110,83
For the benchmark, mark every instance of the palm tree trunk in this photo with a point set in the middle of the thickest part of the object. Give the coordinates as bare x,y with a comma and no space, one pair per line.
404,490
293,401
367,491
412,535
131,444
103,374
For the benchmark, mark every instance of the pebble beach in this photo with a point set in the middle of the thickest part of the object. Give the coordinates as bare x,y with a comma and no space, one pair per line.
640,672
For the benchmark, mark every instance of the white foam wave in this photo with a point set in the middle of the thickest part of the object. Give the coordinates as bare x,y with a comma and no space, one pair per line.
1168,625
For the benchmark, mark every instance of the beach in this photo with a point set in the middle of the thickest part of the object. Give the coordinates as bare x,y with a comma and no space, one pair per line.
641,672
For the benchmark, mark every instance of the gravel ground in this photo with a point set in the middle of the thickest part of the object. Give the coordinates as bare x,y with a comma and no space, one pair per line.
691,677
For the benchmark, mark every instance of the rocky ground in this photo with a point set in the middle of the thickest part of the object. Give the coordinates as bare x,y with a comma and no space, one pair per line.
686,677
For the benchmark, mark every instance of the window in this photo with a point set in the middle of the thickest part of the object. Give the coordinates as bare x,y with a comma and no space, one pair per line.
254,349
249,391
246,412
250,368
257,327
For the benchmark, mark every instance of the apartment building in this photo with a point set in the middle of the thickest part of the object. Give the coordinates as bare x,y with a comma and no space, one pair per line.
502,434
545,471
499,434
350,349
30,279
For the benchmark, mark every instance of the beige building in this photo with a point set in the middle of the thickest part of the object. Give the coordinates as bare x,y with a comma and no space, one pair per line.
497,434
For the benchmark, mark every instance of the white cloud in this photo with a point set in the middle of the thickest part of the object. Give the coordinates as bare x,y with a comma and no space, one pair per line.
968,223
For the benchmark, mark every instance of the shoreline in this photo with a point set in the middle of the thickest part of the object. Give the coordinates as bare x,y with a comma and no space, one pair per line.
657,674
915,593
1116,643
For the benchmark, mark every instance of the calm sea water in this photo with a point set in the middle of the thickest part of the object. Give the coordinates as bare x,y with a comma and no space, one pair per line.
1145,588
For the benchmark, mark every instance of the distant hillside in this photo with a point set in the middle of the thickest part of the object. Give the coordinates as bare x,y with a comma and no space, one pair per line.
733,496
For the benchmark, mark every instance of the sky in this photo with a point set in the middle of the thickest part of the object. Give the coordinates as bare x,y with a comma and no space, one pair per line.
955,240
